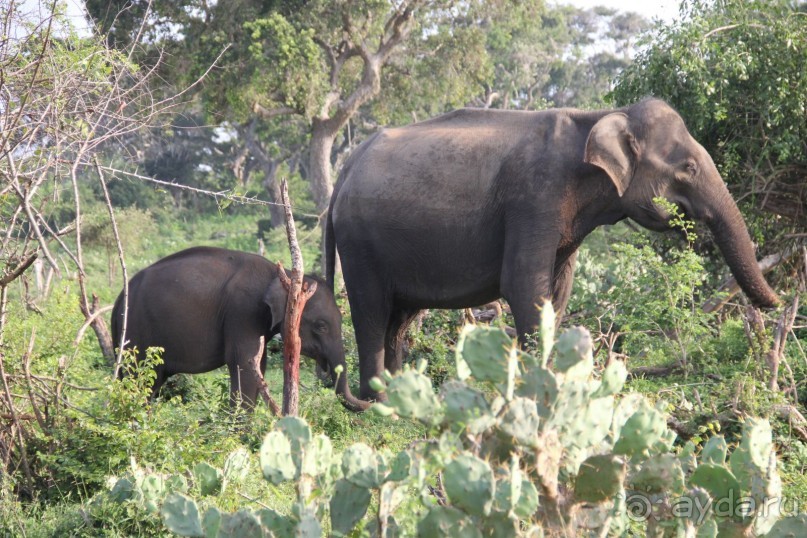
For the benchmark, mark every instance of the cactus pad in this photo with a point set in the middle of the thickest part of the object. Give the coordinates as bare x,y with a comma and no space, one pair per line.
469,484
659,474
714,451
447,521
520,421
208,478
642,430
181,515
360,466
276,460
483,351
411,395
574,356
600,478
613,379
348,505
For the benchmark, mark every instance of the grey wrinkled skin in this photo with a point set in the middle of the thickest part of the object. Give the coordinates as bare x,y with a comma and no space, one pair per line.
479,204
207,307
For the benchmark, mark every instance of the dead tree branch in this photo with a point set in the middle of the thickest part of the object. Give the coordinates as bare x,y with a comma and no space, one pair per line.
298,294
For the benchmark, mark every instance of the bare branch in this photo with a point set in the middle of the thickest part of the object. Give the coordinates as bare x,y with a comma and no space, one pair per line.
710,33
119,246
267,113
18,270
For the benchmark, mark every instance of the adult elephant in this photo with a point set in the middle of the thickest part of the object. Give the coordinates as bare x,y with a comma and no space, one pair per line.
207,307
479,204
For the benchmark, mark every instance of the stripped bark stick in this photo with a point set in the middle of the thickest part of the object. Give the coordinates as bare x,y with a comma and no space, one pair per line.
110,356
298,294
263,388
783,327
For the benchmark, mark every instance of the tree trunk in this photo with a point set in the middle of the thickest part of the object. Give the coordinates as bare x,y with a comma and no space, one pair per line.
101,331
269,167
319,170
276,215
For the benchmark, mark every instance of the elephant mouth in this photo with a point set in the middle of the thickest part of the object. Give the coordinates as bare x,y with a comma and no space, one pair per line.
653,217
660,219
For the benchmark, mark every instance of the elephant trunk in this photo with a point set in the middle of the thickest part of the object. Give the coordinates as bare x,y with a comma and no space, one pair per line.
343,391
731,235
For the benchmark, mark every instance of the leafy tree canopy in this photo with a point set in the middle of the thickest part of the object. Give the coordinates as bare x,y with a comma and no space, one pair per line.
737,72
290,76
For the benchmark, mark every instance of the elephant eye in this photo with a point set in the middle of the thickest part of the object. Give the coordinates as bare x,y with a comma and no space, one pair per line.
321,327
687,171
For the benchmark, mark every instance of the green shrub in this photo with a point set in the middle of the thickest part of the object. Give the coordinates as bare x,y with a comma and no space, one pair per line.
534,451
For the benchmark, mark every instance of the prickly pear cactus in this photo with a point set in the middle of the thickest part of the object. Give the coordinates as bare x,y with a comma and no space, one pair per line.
181,515
469,484
348,505
520,448
591,454
209,479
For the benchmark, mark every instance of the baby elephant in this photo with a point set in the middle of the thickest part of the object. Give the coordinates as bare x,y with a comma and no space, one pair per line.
207,307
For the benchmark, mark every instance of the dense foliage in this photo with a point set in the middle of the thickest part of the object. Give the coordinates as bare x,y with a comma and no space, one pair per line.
737,72
519,449
488,440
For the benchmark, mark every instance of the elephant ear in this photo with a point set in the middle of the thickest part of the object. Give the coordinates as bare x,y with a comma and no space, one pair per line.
612,146
275,297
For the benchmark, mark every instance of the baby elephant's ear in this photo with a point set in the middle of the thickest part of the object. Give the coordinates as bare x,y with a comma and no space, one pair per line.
275,297
612,146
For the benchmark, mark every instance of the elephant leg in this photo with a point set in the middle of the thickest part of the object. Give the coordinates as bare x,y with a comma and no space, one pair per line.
562,288
370,309
159,380
527,269
244,368
243,387
400,321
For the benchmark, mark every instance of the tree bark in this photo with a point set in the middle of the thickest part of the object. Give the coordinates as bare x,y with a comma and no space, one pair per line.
99,327
298,294
319,162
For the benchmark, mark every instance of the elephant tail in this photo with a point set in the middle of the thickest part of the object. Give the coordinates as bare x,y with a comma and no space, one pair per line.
330,239
114,322
330,250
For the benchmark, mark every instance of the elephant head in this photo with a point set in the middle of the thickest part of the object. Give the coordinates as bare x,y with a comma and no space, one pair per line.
648,152
320,334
